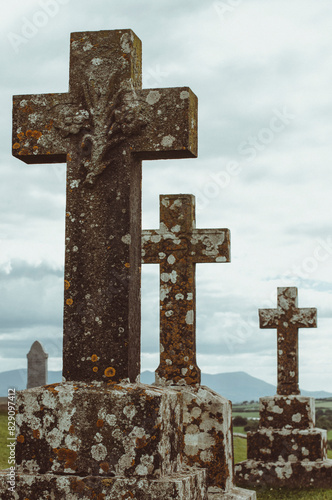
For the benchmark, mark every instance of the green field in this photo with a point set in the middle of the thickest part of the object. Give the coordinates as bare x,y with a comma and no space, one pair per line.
4,450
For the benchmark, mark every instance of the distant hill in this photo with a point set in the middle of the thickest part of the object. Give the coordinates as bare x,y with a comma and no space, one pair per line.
239,386
235,386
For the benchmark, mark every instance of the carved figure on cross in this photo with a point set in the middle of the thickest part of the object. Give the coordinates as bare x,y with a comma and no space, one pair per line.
177,246
287,319
103,127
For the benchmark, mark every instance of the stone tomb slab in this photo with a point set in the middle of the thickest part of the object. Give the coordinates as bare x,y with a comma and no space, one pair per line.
79,429
281,474
179,486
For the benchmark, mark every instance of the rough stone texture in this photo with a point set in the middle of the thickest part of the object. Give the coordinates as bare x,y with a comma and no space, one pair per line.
187,485
304,474
207,434
286,450
287,412
72,428
232,494
177,246
130,435
290,445
103,128
287,319
37,365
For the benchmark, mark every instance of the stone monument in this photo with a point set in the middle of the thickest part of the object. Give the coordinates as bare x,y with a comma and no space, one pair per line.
37,366
177,246
101,434
287,450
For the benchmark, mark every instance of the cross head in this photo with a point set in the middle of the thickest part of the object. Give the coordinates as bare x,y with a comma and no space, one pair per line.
177,246
103,127
287,319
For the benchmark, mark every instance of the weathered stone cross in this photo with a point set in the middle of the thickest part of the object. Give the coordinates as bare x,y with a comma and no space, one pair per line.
287,319
177,246
103,128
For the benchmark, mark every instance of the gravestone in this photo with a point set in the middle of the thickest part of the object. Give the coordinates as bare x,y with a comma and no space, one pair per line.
286,450
177,246
103,128
101,434
37,366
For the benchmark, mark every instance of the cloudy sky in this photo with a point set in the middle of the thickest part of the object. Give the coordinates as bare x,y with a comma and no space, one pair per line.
262,72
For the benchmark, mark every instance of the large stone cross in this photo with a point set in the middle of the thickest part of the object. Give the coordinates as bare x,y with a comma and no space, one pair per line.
287,319
103,127
177,246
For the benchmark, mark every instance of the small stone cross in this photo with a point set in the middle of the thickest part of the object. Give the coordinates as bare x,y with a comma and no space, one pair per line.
287,319
103,127
177,246
37,366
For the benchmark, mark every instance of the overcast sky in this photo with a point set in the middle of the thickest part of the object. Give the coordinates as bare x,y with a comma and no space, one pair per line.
262,72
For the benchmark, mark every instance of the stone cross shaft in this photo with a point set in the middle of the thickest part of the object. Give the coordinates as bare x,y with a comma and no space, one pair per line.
287,319
103,127
37,366
177,246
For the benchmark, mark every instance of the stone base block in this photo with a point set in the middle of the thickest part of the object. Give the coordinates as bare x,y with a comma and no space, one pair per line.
303,474
289,412
290,445
207,432
187,485
99,430
232,494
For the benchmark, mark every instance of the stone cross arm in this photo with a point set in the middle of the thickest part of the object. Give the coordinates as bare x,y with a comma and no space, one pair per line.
202,245
44,124
287,318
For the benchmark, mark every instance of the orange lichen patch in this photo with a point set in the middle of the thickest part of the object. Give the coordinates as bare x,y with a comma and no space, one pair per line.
67,285
100,423
104,466
95,369
41,408
35,147
127,495
51,388
20,438
67,214
35,134
24,151
36,433
71,429
69,302
67,456
127,264
68,157
27,109
94,358
20,136
141,442
133,463
110,372
16,145
49,125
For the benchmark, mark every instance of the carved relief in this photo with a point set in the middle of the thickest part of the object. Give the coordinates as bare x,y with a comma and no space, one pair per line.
104,122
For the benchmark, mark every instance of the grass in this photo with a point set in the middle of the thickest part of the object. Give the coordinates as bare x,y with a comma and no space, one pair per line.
4,450
283,494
